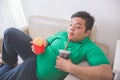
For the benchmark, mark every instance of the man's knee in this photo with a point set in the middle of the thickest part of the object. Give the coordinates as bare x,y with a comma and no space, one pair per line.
10,32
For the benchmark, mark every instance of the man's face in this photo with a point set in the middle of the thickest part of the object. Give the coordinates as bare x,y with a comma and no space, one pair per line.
76,30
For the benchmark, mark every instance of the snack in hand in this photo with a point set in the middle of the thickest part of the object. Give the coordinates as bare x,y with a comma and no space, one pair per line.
38,45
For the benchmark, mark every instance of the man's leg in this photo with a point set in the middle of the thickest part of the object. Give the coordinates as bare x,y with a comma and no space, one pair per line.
24,71
15,42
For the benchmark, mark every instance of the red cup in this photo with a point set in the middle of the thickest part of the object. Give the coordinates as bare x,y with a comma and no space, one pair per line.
39,49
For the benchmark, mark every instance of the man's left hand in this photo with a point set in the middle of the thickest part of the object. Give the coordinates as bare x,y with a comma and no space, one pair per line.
63,64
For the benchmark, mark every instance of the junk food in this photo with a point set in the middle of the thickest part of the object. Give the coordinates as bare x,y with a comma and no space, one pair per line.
38,45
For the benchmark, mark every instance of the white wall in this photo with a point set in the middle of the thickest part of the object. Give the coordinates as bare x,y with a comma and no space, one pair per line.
106,13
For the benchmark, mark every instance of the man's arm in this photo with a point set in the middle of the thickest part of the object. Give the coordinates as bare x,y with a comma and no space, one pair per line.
102,72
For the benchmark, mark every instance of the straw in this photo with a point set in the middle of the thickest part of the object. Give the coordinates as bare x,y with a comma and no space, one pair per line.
66,45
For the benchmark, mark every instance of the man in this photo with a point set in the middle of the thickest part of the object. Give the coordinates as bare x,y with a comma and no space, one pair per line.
48,65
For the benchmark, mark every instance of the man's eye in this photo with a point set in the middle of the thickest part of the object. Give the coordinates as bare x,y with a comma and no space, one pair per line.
77,27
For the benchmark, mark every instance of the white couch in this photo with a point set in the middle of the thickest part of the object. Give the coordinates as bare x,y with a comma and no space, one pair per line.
46,26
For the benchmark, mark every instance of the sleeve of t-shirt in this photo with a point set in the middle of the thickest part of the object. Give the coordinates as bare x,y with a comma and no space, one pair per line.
96,57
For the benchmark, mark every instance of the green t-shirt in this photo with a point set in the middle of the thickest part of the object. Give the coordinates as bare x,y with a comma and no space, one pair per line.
83,50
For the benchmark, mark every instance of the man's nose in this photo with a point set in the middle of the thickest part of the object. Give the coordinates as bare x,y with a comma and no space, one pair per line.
72,28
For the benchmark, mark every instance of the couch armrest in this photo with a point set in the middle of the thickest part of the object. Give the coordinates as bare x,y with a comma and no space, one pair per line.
104,47
116,75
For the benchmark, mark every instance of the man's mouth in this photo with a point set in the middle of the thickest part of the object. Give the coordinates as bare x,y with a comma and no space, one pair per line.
71,33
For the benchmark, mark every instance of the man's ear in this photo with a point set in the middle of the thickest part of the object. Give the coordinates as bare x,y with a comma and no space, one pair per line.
88,32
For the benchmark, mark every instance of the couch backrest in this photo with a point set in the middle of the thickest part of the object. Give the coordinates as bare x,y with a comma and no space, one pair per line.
40,26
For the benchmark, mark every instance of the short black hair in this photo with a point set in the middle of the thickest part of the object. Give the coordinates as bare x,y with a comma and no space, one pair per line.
87,17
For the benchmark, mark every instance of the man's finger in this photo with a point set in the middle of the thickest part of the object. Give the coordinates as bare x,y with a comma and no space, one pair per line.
31,42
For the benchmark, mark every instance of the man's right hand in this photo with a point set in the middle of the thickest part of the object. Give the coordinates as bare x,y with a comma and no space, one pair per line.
44,42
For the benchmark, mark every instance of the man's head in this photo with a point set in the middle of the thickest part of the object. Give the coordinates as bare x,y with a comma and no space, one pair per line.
81,25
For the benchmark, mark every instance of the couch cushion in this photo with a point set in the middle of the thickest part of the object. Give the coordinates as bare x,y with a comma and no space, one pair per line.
44,26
